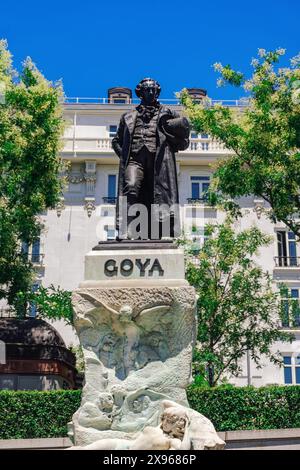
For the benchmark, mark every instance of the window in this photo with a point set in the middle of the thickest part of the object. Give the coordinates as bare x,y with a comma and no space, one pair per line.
32,305
199,141
200,185
292,248
110,234
30,382
35,253
291,369
291,309
32,252
112,186
202,135
25,249
198,236
119,100
287,249
112,130
287,361
8,382
111,190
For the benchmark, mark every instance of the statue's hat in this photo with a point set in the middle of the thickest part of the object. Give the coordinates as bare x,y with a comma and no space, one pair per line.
175,127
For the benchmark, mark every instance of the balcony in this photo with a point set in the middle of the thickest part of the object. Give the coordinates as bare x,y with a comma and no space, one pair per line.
197,201
103,145
7,313
206,145
109,200
37,259
287,261
87,144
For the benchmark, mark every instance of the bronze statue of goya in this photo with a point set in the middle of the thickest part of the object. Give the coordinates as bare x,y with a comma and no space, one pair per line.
146,142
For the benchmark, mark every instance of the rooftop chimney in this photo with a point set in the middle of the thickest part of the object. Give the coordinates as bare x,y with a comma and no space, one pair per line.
197,93
119,95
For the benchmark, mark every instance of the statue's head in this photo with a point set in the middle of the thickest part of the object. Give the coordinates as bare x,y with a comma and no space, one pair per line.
106,401
174,421
148,91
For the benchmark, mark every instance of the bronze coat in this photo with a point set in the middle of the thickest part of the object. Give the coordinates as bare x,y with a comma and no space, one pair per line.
165,175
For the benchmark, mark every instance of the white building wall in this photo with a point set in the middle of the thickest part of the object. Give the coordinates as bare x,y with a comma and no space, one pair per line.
69,235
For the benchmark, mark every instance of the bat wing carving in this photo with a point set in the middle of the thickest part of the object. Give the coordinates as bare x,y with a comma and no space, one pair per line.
98,312
154,317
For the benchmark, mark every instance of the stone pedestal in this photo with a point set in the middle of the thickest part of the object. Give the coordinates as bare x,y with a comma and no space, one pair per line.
135,317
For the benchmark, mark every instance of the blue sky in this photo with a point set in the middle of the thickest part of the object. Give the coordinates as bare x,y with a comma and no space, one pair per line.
93,45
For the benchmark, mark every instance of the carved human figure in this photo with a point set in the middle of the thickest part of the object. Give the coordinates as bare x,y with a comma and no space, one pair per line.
139,409
98,416
124,339
193,429
174,422
107,350
177,427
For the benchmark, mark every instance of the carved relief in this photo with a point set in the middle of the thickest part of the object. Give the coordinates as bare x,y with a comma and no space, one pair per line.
163,424
258,207
90,177
90,180
137,344
75,177
60,206
126,340
89,206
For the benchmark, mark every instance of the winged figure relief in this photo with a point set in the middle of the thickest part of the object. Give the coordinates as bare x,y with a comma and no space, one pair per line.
126,338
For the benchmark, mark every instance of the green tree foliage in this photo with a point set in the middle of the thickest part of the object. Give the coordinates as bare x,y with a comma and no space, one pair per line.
236,408
238,311
33,414
31,126
51,303
264,136
80,362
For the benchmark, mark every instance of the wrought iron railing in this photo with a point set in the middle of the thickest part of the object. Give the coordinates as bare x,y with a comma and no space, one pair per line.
35,258
197,200
7,313
109,200
287,261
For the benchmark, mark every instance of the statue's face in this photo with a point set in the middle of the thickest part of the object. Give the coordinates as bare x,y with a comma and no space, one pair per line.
173,424
149,94
106,402
137,405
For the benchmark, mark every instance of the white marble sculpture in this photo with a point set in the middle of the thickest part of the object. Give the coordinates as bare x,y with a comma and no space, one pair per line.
179,428
137,343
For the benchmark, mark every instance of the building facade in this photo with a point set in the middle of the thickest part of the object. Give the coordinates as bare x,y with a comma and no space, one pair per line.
86,213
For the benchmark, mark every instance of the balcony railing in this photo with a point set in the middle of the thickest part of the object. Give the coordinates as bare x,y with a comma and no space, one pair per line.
135,101
205,145
198,200
103,145
287,261
7,313
109,200
293,324
35,258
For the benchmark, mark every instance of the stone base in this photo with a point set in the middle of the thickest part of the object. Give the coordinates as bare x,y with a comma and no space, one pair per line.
137,343
124,263
136,245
